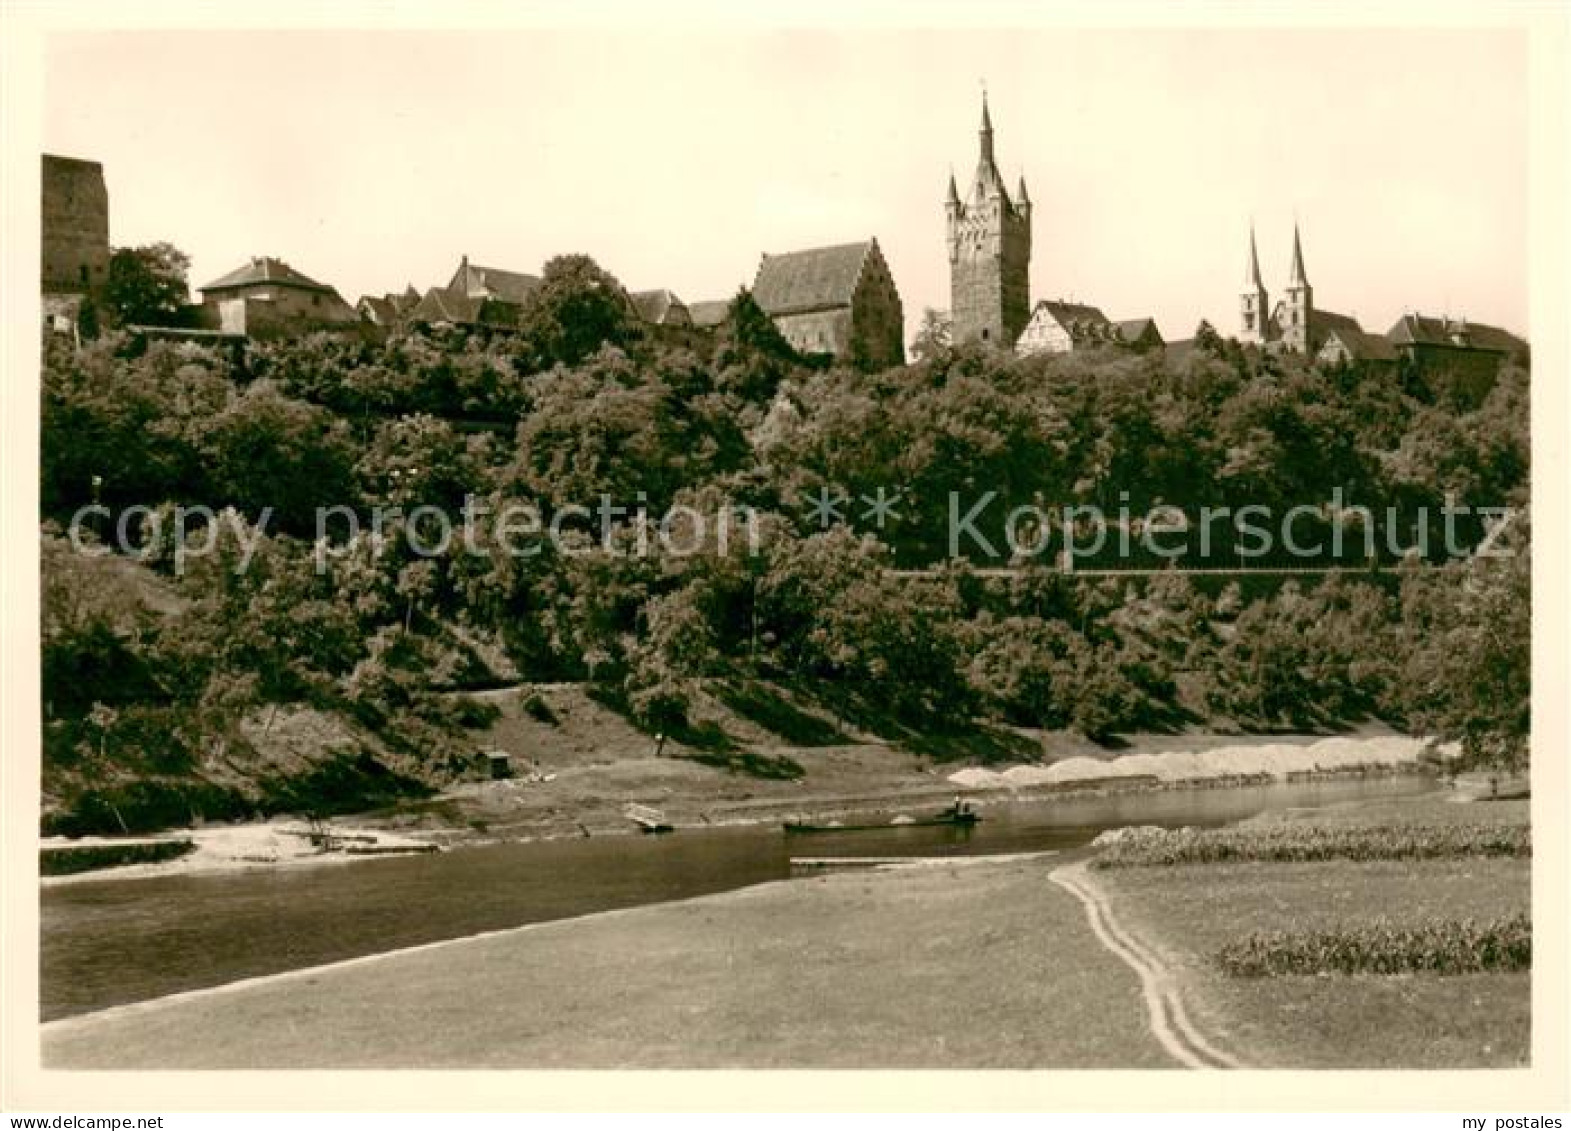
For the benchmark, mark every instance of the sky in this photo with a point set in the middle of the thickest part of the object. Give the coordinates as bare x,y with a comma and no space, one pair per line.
372,159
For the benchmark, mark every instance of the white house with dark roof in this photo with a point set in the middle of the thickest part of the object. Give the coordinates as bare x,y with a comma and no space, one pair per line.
268,298
839,300
1057,326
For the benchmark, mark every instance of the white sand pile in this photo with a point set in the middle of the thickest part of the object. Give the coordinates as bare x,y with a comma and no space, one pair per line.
225,848
1277,759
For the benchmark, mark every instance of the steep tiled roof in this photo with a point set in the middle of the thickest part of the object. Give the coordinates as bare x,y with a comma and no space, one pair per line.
1420,329
493,282
1324,323
443,305
389,308
1133,329
660,307
1360,344
1066,313
709,312
816,279
264,269
380,310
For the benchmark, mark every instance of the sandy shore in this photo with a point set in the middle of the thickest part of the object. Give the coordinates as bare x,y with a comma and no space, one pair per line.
235,848
286,843
1280,760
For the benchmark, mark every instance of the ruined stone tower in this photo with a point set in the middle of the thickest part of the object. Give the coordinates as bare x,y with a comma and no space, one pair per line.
989,254
75,226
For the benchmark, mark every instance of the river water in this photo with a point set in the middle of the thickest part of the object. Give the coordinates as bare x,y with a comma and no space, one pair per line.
110,942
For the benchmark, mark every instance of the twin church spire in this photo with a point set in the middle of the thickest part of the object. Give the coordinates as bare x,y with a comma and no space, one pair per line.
1289,323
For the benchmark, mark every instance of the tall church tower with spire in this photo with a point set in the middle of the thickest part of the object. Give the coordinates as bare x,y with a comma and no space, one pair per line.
1254,309
989,253
1297,310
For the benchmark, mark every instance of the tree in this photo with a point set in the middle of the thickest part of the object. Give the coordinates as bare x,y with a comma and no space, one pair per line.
751,356
265,450
748,330
147,286
577,308
1207,339
934,337
1470,678
677,649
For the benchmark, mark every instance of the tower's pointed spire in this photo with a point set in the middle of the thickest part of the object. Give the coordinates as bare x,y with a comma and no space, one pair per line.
1021,196
987,131
1295,274
1252,269
954,195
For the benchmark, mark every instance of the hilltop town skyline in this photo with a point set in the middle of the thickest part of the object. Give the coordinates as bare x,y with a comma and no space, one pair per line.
346,169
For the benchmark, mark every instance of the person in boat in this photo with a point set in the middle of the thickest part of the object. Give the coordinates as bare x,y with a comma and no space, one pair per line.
961,807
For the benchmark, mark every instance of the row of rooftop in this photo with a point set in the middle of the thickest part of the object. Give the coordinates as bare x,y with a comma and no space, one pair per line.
840,300
803,283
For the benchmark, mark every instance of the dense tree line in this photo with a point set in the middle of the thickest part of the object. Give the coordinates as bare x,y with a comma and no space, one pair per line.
579,402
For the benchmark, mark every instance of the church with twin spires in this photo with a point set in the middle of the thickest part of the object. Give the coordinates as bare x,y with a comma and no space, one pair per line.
1293,325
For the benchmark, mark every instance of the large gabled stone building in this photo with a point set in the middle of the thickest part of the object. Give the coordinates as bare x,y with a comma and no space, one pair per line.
839,300
1456,355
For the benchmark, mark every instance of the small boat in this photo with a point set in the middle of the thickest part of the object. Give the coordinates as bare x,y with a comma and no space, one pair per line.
956,816
648,820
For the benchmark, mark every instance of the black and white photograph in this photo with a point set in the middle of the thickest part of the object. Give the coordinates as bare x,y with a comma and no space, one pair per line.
884,539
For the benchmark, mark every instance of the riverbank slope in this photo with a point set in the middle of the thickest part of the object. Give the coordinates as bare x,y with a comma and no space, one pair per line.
951,965
982,963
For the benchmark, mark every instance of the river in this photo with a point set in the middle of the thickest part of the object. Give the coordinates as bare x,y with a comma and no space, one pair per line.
115,941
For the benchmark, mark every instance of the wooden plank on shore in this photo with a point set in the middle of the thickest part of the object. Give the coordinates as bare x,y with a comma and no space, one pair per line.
848,861
890,861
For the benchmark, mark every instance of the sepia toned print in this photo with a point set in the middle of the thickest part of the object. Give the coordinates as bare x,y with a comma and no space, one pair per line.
565,550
